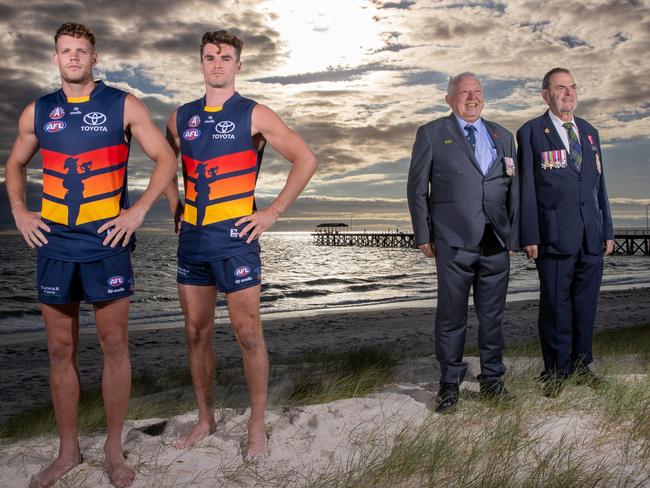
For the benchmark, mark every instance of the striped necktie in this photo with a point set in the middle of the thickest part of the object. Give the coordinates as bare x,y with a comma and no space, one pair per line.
471,138
574,144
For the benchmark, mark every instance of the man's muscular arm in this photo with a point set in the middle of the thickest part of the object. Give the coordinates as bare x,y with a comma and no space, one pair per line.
29,223
171,192
154,145
304,163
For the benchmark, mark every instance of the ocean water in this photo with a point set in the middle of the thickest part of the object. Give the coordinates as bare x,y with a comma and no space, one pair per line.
297,276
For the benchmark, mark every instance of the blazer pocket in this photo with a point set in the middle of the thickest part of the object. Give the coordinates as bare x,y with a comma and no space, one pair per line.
442,184
442,195
550,228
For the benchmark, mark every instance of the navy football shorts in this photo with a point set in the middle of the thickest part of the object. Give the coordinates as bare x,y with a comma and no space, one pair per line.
228,275
61,282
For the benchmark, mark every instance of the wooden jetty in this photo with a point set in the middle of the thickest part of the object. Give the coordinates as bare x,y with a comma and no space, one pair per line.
626,241
365,239
632,241
337,234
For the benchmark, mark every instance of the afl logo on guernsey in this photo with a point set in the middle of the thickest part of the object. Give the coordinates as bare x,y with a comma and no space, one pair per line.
115,281
57,113
194,121
223,130
95,121
54,126
242,272
191,134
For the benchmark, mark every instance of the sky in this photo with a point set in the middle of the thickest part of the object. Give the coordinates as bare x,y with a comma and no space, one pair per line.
355,79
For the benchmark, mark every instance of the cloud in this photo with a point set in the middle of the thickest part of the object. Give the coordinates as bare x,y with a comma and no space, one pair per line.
630,201
356,96
332,73
403,4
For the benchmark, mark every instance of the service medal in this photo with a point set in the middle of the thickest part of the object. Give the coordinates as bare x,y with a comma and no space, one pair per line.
590,138
510,166
554,159
599,168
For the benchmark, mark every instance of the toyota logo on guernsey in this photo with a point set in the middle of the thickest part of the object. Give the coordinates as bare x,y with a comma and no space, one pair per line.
191,134
223,130
57,113
54,126
95,121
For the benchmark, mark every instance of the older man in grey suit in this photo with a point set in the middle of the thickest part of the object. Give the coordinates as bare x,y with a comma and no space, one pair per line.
463,199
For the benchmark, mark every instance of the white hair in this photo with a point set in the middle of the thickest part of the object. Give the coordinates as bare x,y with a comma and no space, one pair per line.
454,80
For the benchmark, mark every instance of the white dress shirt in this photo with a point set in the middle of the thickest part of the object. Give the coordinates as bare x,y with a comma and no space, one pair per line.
558,123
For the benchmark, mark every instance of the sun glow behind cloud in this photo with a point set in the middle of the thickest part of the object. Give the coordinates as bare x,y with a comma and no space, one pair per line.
324,35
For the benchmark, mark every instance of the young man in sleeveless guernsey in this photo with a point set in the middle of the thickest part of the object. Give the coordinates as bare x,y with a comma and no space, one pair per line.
84,232
221,137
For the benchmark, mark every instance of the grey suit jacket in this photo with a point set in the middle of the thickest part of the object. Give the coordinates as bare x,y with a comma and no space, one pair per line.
449,196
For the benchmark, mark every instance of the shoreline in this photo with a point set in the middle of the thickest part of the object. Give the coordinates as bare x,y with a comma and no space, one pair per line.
13,338
404,331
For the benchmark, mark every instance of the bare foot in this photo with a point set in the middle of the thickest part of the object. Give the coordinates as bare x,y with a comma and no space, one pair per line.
119,472
200,431
55,471
258,446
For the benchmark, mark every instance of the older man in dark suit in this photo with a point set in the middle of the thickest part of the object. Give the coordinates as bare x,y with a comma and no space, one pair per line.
463,199
566,226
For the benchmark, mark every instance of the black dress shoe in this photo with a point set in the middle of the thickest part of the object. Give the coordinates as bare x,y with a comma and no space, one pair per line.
552,383
583,375
447,397
493,388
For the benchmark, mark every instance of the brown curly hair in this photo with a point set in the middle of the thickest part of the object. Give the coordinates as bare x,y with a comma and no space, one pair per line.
74,30
222,37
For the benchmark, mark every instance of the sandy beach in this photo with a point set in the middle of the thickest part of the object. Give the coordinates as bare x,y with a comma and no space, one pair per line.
404,331
308,443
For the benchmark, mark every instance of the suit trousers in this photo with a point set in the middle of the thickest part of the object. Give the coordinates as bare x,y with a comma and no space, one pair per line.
486,270
568,300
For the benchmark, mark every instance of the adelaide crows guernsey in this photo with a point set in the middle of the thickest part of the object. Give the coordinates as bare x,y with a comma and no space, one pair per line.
85,158
220,168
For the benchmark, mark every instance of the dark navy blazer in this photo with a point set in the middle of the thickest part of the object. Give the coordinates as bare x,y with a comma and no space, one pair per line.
561,206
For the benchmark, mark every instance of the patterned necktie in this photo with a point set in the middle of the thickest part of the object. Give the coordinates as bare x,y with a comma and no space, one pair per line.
574,144
471,138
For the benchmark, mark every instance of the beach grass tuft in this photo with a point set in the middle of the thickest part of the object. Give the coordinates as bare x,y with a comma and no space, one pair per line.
529,442
152,395
325,377
587,437
609,342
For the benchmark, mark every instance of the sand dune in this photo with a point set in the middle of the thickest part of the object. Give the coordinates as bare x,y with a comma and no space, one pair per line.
313,442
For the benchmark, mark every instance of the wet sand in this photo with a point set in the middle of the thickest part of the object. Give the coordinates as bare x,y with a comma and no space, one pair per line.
407,331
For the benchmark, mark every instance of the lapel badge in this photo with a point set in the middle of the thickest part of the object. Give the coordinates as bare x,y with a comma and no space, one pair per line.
546,130
448,141
510,166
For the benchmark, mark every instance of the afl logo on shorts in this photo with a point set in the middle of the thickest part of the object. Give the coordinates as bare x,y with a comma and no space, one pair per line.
115,281
57,113
194,121
242,272
54,126
191,134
